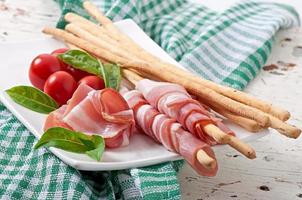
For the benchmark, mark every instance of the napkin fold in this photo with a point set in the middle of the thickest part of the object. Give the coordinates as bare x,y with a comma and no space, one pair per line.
229,48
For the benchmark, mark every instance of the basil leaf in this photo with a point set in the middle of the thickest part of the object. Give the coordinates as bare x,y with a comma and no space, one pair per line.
111,75
81,60
77,142
97,152
32,98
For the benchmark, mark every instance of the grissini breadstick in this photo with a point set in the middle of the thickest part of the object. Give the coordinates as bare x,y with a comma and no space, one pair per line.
108,25
246,150
251,125
86,25
206,94
248,124
125,42
210,129
284,128
229,92
96,13
72,17
101,43
93,28
83,44
71,46
217,134
74,47
204,159
275,123
243,98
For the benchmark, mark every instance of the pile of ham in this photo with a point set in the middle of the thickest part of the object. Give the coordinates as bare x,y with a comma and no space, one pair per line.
103,112
163,111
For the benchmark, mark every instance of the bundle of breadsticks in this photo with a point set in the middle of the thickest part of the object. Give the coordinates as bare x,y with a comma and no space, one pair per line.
109,44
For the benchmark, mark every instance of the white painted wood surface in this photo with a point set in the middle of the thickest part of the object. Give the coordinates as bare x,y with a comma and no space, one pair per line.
277,171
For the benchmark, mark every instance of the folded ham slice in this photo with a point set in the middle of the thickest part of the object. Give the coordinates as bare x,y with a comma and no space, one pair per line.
174,101
55,119
168,132
102,112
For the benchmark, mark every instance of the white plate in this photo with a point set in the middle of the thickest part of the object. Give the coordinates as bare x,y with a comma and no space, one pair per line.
142,151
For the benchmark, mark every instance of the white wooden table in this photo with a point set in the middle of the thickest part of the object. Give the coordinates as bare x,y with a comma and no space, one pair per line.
277,171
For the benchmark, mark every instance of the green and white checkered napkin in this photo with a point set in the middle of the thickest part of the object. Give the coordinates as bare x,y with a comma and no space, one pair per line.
228,48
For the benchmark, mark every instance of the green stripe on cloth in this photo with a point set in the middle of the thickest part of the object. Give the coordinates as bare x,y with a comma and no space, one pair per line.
228,47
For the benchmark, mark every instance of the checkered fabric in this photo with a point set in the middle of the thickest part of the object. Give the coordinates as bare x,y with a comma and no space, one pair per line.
228,48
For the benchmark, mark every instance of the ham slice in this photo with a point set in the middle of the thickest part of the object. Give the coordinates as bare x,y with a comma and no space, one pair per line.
174,101
78,95
148,88
55,119
188,148
134,99
103,112
168,132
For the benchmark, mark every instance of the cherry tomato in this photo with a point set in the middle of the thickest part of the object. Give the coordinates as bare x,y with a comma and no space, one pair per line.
59,51
76,73
95,82
60,86
41,68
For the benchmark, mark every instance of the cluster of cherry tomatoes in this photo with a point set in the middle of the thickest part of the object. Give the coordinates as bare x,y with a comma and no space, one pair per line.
58,79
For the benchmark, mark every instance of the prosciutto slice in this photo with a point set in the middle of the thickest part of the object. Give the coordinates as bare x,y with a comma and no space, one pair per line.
168,132
174,101
55,119
102,112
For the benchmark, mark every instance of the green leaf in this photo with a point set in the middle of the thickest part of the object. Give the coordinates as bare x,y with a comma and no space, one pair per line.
32,99
81,60
111,75
78,59
99,148
77,142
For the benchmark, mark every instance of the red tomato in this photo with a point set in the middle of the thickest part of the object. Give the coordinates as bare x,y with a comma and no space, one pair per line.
60,86
41,68
59,51
76,73
93,81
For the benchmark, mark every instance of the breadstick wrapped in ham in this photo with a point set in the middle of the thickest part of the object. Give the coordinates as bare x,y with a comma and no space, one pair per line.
174,101
171,135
